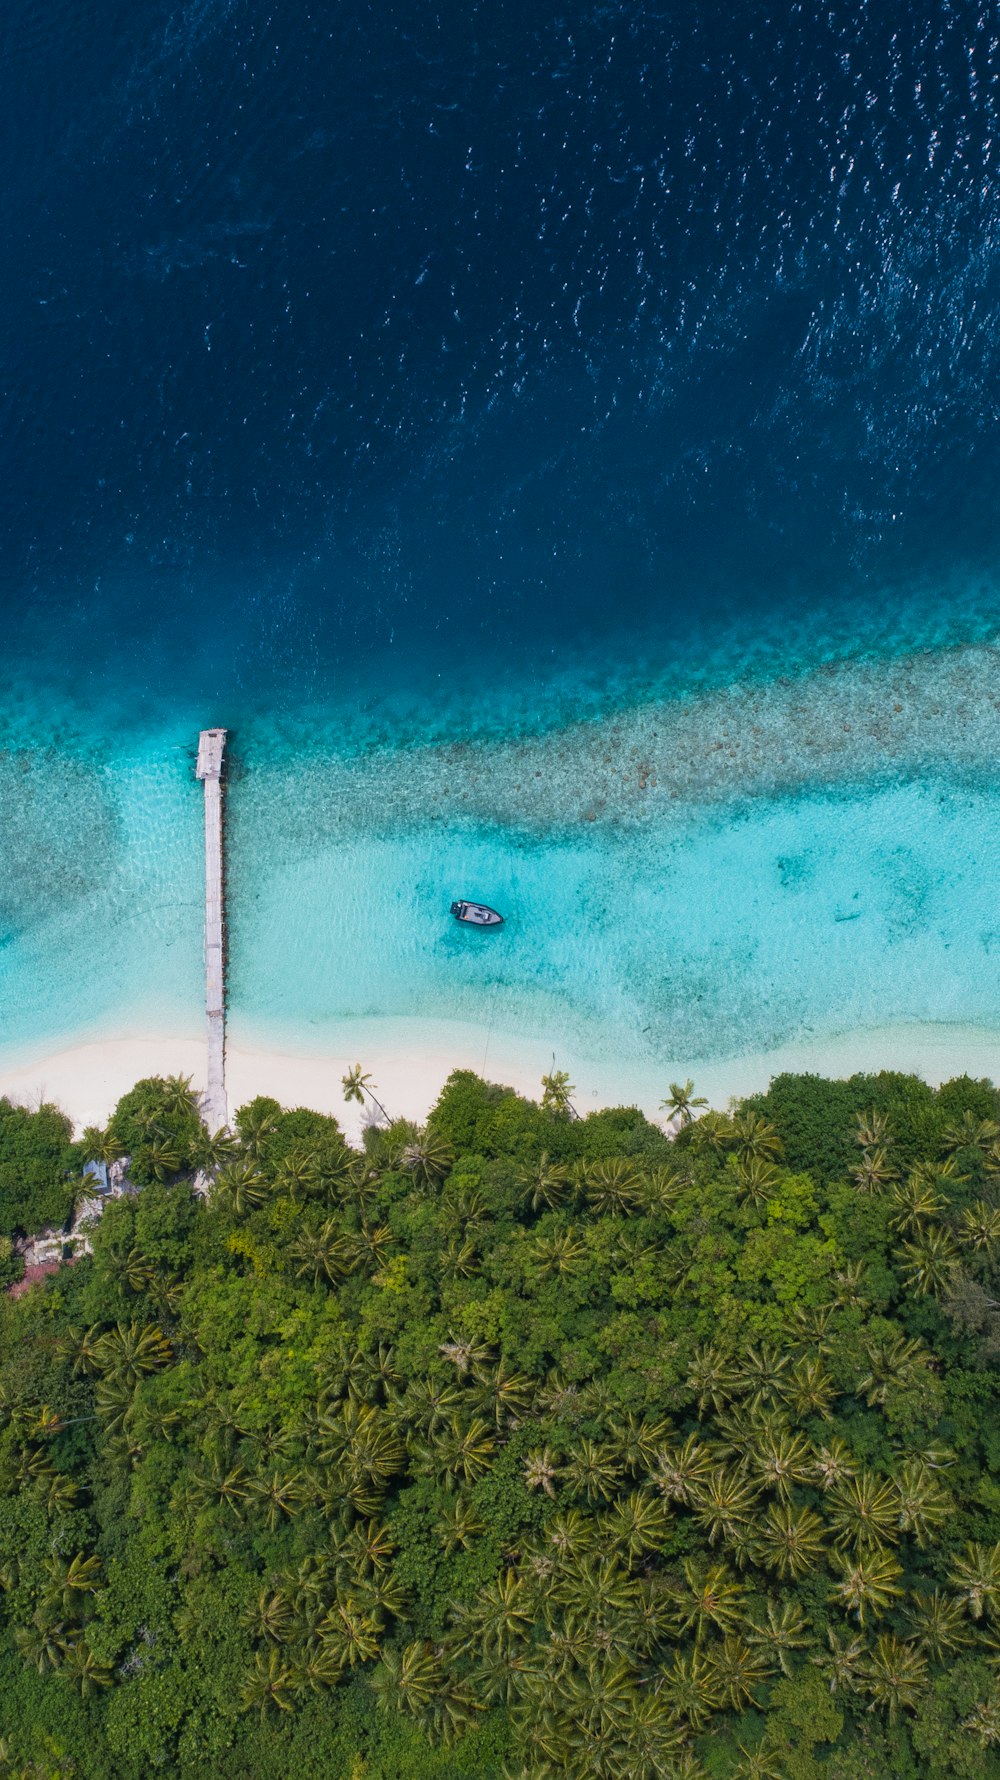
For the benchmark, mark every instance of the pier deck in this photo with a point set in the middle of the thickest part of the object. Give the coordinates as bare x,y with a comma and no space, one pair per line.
211,757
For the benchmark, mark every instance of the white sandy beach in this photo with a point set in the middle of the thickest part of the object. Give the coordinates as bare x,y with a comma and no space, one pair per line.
409,1061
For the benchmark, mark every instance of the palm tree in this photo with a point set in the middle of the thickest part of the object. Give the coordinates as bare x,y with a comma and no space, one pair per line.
408,1681
851,1283
834,1463
212,1150
459,1260
68,1581
82,1348
298,1176
756,1177
864,1511
754,1137
256,1125
975,1576
636,1524
812,1327
357,1083
458,1523
319,1667
983,1723
562,1252
130,1350
428,1158
896,1674
592,1471
594,1593
968,1132
638,1440
738,1671
613,1187
322,1254
872,1130
463,1209
869,1584
372,1245
113,1401
873,1172
101,1146
43,1642
923,1504
570,1535
270,1616
362,1443
843,1664
631,1248
661,1187
458,1454
777,1459
895,1363
712,1377
503,1394
428,1403
758,1764
713,1131
761,1374
163,1157
790,1540
784,1630
723,1503
541,1470
382,1596
917,1202
349,1634
242,1188
557,1092
268,1686
465,1355
809,1389
930,1262
681,1102
279,1493
979,1226
708,1600
83,1670
137,1271
938,1624
231,1488
689,1684
501,1617
677,1471
368,1548
371,1373
545,1184
178,1097
61,1493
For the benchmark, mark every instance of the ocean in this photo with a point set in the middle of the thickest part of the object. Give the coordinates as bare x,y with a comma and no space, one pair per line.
562,447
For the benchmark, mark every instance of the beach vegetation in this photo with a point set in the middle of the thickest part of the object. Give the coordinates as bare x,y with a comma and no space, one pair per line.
513,1445
39,1168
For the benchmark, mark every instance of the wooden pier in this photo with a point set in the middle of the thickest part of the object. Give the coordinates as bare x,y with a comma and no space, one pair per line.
211,758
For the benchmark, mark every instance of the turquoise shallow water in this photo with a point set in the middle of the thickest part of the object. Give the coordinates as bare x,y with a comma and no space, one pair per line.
666,930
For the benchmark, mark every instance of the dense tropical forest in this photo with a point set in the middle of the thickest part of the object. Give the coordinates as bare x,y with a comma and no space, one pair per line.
519,1445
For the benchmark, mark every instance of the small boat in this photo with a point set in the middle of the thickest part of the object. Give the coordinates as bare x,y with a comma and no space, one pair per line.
476,914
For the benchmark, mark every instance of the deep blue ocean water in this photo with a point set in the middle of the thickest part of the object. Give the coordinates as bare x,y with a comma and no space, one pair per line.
375,376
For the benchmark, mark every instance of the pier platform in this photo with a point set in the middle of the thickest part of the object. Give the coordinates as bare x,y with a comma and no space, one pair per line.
211,763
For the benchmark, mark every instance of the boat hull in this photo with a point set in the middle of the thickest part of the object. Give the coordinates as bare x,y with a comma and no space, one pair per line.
476,914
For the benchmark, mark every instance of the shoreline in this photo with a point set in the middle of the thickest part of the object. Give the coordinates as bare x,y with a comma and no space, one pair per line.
409,1061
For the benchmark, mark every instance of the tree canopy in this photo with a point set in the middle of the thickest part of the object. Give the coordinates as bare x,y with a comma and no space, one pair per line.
519,1445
